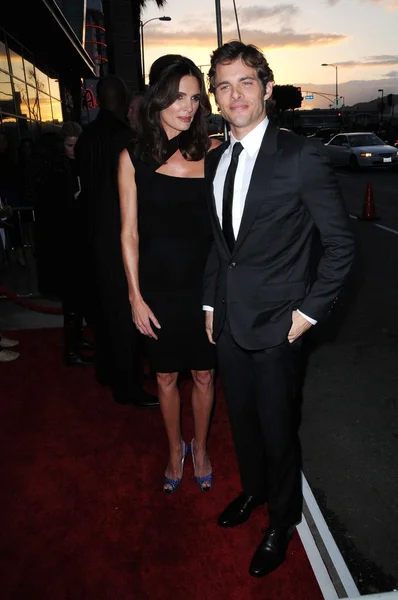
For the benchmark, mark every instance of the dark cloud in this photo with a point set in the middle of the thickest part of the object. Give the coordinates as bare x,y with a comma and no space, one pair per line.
391,74
381,60
264,39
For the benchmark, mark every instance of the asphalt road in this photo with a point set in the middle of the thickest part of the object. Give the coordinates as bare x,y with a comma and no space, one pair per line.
350,411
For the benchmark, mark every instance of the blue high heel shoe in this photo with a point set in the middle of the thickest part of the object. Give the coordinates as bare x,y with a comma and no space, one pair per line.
174,483
206,481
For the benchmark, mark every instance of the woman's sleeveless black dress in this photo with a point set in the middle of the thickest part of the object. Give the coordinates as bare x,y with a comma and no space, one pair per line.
175,239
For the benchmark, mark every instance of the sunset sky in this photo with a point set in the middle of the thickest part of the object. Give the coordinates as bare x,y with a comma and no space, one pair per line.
360,36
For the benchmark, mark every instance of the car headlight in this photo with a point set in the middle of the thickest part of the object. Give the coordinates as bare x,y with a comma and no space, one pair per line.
366,154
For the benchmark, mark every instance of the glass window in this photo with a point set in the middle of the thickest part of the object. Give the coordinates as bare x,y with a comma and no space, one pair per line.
3,57
21,98
42,81
34,103
337,141
17,65
10,127
57,111
45,107
54,87
6,95
30,73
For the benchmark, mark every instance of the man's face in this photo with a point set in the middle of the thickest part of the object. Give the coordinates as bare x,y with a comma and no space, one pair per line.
240,96
69,146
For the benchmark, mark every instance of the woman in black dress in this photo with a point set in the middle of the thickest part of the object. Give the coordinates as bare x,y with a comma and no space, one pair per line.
166,237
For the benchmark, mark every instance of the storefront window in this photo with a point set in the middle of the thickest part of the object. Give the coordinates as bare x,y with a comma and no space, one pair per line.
6,95
54,88
45,107
17,65
30,73
57,111
42,82
21,99
34,104
3,57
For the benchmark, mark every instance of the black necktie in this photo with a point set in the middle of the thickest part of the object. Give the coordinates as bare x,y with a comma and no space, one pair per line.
228,197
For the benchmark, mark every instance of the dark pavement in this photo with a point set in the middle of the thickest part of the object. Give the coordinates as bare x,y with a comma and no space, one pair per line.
350,412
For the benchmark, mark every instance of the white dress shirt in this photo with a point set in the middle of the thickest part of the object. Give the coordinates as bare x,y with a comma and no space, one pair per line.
251,145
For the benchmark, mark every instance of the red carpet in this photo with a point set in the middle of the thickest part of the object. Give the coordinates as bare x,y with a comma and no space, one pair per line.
83,516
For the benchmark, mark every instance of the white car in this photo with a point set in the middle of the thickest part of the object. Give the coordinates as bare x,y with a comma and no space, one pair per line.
360,150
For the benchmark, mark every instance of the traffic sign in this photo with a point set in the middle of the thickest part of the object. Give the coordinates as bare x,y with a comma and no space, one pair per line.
309,97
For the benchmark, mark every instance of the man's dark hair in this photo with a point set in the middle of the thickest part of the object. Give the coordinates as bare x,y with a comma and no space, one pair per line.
250,55
112,93
166,74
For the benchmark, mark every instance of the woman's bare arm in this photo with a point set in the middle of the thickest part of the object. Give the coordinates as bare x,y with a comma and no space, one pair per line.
142,314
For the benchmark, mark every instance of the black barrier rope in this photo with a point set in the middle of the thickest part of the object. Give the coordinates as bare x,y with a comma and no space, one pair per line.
49,310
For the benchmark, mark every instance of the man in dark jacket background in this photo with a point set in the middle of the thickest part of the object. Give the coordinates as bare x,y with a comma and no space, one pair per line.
97,153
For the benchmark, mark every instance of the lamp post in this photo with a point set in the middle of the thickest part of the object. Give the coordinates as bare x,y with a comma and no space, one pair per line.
337,83
382,104
142,40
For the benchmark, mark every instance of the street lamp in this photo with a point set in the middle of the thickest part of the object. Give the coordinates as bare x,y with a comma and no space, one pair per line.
382,104
142,40
337,83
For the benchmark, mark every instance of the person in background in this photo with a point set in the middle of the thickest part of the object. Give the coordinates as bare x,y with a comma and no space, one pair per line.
133,110
71,258
117,354
166,236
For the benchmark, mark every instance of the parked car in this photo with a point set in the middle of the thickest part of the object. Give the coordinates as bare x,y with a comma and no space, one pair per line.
323,133
360,149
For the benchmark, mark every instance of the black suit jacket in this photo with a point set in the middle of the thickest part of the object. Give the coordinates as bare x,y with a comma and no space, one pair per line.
293,189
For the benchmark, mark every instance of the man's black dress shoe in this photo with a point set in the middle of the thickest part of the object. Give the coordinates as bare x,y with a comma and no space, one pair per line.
239,510
141,399
271,552
75,359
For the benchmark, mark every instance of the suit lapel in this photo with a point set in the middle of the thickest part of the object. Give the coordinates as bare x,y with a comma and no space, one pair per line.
263,172
212,161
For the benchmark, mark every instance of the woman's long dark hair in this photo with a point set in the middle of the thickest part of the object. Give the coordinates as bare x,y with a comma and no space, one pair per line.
151,139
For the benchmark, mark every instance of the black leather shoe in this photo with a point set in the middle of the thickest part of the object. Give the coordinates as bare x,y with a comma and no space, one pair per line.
86,344
239,510
74,359
271,552
141,399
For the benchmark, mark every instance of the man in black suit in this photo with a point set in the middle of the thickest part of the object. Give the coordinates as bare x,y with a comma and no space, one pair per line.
268,190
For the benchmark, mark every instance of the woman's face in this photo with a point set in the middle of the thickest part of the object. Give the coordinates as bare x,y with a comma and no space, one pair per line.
178,116
69,145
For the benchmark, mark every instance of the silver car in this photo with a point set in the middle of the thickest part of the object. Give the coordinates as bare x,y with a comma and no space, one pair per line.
360,150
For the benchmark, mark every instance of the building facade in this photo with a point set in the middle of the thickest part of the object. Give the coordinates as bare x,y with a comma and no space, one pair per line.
41,70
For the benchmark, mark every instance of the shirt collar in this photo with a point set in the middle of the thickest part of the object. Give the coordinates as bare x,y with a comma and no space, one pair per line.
252,141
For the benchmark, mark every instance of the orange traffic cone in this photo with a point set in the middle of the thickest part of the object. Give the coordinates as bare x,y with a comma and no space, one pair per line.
369,209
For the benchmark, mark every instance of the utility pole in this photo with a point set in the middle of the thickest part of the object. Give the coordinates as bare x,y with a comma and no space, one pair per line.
218,23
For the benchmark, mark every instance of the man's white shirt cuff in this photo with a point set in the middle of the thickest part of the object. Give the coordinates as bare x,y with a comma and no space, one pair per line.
312,321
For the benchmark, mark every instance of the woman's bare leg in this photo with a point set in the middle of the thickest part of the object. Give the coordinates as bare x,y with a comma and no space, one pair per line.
202,404
169,400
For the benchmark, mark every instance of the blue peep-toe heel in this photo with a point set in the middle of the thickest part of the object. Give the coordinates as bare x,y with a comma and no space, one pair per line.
206,481
171,485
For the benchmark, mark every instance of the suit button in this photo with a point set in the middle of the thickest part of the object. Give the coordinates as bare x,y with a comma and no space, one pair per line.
232,265
223,301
